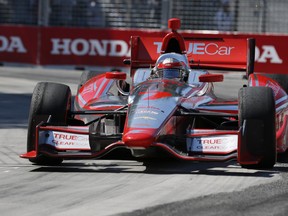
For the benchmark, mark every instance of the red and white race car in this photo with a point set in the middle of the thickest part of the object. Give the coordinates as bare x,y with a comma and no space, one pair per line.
168,107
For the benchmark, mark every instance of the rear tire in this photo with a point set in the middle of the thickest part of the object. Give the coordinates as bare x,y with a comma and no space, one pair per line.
257,119
48,99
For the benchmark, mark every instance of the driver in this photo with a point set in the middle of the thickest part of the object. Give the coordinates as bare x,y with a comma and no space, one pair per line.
170,67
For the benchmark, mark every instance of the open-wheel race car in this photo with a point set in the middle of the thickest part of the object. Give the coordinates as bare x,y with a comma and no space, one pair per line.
168,108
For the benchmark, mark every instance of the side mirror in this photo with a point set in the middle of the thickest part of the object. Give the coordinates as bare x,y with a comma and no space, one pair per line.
127,61
211,78
116,75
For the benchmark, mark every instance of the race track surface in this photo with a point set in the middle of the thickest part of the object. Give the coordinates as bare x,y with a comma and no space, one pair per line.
122,187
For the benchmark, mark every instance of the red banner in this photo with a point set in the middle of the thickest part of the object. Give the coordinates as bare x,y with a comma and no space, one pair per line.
93,47
109,47
19,44
271,53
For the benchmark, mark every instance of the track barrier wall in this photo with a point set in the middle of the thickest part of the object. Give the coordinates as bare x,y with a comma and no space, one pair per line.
80,47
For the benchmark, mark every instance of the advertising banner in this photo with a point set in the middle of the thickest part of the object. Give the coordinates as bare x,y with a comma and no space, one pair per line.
93,47
109,47
19,44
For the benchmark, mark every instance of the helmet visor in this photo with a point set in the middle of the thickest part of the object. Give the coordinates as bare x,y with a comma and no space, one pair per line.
171,73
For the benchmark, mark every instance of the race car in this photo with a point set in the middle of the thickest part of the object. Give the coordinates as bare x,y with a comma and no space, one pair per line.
167,107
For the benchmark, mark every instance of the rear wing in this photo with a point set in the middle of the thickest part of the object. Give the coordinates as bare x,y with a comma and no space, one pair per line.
208,53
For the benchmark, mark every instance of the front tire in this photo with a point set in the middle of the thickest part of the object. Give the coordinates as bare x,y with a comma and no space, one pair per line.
257,123
48,99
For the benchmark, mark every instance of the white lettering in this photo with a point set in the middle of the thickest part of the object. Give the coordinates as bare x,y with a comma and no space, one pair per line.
158,44
17,45
3,43
212,46
118,48
209,49
257,53
97,48
13,44
198,48
60,47
80,47
269,53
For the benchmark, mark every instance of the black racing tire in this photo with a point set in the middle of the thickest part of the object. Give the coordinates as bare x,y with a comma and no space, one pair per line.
257,123
85,76
48,99
281,79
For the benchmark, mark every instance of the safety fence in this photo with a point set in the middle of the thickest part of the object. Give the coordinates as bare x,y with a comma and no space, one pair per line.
97,32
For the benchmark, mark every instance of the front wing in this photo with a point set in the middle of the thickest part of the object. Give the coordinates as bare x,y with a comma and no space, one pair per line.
72,142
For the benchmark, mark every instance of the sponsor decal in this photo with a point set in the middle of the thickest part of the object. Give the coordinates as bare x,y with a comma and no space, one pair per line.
149,107
209,49
12,44
146,118
63,140
263,54
151,112
203,48
213,144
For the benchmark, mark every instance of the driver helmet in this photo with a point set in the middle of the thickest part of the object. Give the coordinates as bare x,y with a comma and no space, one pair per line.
171,68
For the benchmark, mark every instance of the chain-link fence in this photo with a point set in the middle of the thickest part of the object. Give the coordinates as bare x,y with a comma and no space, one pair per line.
256,16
